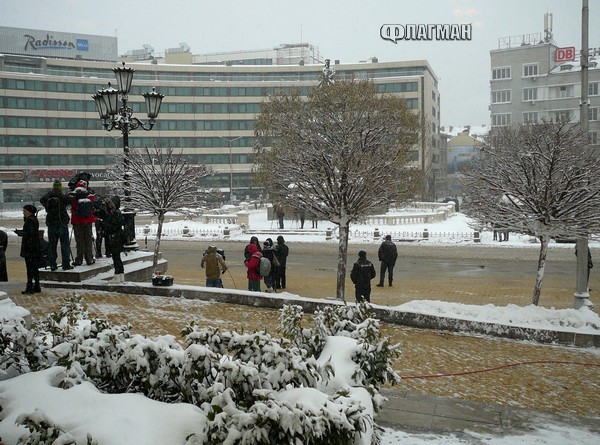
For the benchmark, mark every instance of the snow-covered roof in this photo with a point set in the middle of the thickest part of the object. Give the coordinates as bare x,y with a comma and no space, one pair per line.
475,131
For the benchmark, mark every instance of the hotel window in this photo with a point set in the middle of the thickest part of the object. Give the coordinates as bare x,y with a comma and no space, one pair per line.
531,117
593,88
502,96
530,94
500,120
562,115
501,73
593,114
594,138
530,70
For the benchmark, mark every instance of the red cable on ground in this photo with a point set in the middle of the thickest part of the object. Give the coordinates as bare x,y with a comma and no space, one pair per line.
507,365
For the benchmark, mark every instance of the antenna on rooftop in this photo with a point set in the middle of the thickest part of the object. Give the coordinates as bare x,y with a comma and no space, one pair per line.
548,28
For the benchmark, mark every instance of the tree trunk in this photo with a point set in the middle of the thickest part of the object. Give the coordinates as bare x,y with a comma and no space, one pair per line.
342,257
537,290
161,219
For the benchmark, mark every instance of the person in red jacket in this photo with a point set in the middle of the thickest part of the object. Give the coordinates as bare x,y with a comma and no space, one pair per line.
253,266
82,219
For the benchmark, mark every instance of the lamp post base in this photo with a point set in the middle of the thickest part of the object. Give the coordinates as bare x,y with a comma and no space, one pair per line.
583,299
129,226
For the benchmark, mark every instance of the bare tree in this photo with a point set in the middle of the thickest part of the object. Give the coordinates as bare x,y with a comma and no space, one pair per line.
539,180
340,154
159,181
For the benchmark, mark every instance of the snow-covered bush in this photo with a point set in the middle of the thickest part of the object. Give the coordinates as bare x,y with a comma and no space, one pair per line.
253,387
374,354
43,432
21,350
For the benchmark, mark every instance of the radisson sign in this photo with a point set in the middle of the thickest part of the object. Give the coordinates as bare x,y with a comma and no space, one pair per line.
35,42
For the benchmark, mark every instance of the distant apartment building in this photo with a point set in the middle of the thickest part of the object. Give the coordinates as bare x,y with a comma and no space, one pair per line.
463,144
533,79
49,127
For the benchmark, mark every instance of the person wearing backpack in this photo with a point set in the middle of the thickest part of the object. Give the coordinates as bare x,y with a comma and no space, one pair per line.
253,268
57,219
82,218
362,273
269,254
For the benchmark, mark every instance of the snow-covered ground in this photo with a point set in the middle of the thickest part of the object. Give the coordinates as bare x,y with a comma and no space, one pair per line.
125,419
449,231
130,418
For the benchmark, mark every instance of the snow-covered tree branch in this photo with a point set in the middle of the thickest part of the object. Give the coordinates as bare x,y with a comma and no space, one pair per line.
536,179
159,181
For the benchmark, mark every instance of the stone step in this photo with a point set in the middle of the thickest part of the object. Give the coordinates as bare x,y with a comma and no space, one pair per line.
138,266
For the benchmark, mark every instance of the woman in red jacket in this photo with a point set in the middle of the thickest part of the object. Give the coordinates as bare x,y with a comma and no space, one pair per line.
82,218
253,266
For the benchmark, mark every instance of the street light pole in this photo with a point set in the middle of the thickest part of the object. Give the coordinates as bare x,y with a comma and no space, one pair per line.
230,140
582,294
121,117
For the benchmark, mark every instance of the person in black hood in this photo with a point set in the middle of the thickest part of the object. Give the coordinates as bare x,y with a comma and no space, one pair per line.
112,220
30,248
247,253
57,219
3,246
388,254
362,273
281,252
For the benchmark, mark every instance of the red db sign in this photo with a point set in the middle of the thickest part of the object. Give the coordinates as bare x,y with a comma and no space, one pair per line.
565,54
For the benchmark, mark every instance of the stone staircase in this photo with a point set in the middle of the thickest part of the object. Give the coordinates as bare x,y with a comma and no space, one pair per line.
138,267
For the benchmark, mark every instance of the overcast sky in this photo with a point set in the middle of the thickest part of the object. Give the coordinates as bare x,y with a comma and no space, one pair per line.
348,30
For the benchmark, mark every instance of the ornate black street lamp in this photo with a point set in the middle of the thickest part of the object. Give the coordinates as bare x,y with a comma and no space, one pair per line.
121,117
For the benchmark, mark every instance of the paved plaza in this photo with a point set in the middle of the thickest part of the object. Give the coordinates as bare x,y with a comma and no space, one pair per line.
502,400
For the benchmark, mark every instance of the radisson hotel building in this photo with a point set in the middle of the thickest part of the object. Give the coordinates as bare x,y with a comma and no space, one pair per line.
50,129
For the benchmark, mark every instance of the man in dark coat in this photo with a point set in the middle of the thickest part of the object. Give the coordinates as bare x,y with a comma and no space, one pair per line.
281,252
112,220
57,219
3,247
362,273
388,254
30,248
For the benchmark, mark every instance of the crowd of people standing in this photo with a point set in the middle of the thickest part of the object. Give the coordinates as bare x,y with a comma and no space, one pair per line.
363,271
86,209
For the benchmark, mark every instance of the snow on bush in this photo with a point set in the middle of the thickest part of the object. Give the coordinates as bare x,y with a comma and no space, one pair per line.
315,385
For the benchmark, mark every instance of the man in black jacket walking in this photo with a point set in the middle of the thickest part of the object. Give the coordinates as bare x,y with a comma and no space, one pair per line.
57,219
388,254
